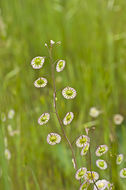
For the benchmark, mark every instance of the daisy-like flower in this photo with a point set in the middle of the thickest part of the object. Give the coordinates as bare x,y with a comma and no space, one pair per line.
3,117
9,128
123,173
52,42
68,118
118,119
7,154
101,184
101,164
91,177
53,138
82,140
110,186
37,62
73,162
102,149
69,93
40,82
84,185
119,159
94,112
44,118
80,173
85,149
11,114
60,65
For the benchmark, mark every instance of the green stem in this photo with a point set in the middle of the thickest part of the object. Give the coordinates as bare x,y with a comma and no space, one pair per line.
55,107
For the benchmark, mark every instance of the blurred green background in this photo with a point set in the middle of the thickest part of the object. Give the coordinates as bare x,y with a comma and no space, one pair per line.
93,36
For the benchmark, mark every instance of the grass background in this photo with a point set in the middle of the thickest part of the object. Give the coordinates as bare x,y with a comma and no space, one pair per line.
93,36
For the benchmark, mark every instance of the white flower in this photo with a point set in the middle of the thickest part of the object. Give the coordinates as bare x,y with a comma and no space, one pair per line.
84,185
85,149
37,62
69,93
52,42
101,184
11,114
9,128
94,112
119,159
101,164
118,119
7,154
123,173
3,117
110,186
53,138
74,165
80,173
91,177
44,118
15,132
40,82
102,149
82,140
60,65
68,118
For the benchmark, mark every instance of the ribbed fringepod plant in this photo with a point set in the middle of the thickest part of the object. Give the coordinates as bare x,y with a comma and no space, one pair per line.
85,175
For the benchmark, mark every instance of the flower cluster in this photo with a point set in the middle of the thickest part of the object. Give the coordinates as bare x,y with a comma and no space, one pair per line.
82,141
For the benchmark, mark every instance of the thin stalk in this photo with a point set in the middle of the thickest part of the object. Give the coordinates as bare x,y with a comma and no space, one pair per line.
90,163
55,107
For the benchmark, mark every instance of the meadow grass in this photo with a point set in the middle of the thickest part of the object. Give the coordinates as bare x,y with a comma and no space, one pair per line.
93,36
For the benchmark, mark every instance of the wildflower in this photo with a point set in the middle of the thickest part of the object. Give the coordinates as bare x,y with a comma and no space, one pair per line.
101,184
68,118
80,173
69,93
44,118
110,186
9,128
46,45
101,164
118,119
91,176
3,117
11,114
7,154
94,112
40,82
73,161
102,149
52,42
119,159
60,65
37,62
82,140
123,173
84,185
85,149
53,138
59,42
15,132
